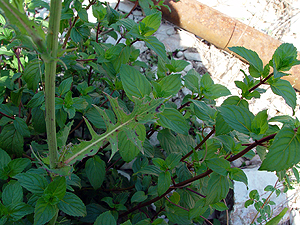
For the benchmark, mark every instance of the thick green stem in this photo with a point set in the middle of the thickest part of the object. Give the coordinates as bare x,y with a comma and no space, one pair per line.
50,74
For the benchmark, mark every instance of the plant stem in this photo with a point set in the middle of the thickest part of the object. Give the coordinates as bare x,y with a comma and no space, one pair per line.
50,75
261,82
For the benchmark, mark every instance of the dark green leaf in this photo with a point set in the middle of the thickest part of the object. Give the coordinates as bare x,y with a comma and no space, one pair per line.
16,166
251,56
32,74
43,212
160,163
221,126
134,83
254,195
105,218
72,205
172,119
12,193
198,209
34,183
154,44
204,112
11,140
239,118
95,171
220,206
38,120
248,203
21,127
218,165
192,81
283,152
173,160
4,159
284,88
150,169
167,141
238,175
217,188
164,182
296,173
216,91
18,210
128,150
138,196
259,124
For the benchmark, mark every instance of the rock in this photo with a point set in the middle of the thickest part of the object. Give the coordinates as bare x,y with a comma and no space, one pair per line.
237,163
188,67
137,13
255,160
171,31
257,180
126,6
192,56
179,54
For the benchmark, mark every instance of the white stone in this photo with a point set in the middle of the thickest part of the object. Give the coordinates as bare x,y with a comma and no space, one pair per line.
126,7
188,67
257,180
238,162
171,31
192,56
179,54
137,13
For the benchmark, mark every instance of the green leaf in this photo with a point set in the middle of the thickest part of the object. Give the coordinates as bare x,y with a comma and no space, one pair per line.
283,152
173,160
153,21
296,173
160,163
57,188
18,210
65,86
248,203
72,205
217,188
168,141
43,212
284,88
285,57
239,118
174,120
277,218
198,209
128,150
220,206
105,218
80,33
216,91
238,175
34,183
95,171
204,112
150,169
154,44
95,118
134,83
254,195
171,85
16,166
164,182
251,56
221,126
21,127
259,124
36,100
138,196
12,193
193,81
4,159
32,74
11,140
218,165
38,120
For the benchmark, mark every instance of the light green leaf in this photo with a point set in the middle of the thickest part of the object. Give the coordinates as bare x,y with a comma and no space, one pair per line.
72,205
43,212
218,165
217,188
153,21
259,124
277,218
95,171
284,88
220,206
251,56
164,182
170,85
57,188
239,118
134,83
283,152
216,91
12,193
174,120
34,183
105,218
138,196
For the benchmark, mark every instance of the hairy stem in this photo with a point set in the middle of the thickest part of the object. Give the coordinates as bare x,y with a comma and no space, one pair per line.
50,75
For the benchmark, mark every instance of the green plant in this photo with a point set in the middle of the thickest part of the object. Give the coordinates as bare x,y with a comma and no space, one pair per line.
74,112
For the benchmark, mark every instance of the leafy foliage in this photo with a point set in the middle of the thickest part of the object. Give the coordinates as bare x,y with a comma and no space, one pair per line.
108,106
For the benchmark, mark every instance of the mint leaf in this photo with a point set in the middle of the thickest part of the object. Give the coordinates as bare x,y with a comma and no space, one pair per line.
95,171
